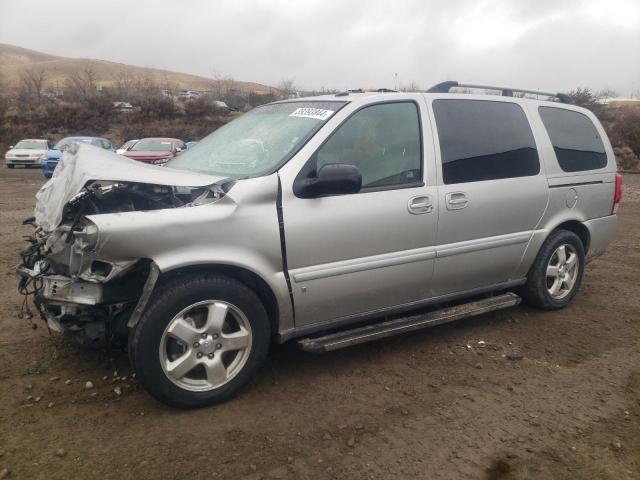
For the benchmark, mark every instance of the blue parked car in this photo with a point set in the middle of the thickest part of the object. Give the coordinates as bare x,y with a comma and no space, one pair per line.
190,144
53,156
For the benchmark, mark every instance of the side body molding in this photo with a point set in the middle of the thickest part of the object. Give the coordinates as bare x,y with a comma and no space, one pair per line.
408,256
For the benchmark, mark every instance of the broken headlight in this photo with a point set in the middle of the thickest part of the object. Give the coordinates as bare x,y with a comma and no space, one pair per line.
86,238
84,245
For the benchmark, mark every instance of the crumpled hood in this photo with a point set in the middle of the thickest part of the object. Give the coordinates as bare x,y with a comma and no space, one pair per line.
82,163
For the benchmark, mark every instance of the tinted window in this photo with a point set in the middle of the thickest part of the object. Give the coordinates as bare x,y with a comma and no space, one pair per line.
484,140
575,140
383,141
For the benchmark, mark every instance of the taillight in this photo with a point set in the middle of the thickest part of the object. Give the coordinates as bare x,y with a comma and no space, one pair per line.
617,194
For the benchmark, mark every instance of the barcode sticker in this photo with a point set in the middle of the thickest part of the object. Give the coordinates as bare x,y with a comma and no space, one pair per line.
317,113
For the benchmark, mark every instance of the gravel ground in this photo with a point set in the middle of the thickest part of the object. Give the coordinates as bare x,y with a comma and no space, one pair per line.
513,394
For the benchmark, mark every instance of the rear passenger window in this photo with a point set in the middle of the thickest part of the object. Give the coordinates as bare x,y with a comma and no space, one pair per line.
383,141
576,141
484,140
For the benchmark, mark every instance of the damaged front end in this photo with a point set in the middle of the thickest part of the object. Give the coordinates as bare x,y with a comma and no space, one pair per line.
77,289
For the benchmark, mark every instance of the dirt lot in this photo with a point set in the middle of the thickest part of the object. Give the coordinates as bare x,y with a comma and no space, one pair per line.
513,394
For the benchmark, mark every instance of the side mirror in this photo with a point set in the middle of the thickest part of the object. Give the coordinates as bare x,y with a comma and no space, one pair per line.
332,179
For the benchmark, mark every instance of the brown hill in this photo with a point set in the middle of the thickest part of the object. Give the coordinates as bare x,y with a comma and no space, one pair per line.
15,60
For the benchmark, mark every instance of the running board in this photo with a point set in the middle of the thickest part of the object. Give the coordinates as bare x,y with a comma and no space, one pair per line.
346,338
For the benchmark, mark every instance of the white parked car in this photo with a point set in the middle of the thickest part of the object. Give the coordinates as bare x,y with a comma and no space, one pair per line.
221,106
188,95
126,146
28,152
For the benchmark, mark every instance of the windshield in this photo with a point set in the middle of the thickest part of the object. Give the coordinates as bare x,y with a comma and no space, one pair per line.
65,142
128,144
31,144
152,145
258,142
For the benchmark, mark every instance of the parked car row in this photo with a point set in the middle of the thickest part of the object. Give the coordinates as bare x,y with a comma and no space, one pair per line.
40,152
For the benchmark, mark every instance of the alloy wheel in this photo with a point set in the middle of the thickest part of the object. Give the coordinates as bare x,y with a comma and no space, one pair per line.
205,345
562,271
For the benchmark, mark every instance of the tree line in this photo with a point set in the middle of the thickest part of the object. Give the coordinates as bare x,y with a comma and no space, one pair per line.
79,104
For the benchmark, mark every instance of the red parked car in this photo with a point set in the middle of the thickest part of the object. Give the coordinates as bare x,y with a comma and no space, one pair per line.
156,151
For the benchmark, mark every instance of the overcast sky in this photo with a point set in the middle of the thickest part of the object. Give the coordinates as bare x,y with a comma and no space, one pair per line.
543,44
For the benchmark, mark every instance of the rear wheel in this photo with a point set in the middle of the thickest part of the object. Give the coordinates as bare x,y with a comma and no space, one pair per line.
556,274
200,340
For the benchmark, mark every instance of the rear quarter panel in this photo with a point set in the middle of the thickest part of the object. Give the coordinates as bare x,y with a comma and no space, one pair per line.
573,196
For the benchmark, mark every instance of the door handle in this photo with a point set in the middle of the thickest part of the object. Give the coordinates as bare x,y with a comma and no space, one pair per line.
420,204
456,200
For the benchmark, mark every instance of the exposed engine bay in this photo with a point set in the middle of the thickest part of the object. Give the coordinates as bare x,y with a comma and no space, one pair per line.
111,197
75,290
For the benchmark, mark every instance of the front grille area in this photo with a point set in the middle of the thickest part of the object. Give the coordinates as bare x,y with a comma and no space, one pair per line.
23,161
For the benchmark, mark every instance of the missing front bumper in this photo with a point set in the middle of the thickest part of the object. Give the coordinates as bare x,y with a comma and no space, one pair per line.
58,288
94,314
63,289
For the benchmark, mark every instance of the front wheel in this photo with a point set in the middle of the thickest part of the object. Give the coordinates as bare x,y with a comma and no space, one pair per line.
200,340
556,274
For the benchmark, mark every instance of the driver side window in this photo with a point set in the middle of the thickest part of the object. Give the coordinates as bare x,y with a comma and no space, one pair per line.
383,141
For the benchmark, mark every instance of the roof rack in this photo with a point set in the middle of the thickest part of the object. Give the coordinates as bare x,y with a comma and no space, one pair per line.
347,92
444,87
360,90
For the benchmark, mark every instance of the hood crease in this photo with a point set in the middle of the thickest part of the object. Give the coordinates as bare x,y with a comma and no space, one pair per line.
83,163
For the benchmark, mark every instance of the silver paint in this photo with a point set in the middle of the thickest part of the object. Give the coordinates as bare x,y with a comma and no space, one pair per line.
355,256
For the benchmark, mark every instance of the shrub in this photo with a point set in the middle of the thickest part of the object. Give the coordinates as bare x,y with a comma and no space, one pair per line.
151,108
624,131
198,108
626,159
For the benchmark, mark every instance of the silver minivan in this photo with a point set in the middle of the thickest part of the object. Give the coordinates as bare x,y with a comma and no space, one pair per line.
331,220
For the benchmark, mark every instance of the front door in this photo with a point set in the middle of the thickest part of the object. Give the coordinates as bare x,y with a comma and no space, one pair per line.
356,254
492,192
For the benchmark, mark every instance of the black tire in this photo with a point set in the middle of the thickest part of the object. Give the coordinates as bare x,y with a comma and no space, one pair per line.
10,166
170,299
535,292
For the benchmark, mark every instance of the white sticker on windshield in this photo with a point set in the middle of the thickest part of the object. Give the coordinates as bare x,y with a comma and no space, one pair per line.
317,113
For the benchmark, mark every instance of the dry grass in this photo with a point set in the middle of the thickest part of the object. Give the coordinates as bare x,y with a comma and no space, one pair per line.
15,60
